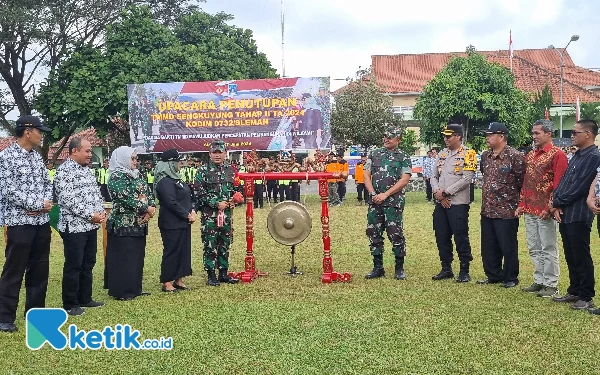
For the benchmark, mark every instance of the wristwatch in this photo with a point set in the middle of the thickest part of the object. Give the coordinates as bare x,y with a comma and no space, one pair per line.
444,194
372,193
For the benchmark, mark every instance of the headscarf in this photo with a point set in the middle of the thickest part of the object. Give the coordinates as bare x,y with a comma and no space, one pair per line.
120,161
166,169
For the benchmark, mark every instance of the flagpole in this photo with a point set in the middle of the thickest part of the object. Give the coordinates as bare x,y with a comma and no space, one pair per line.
510,51
282,43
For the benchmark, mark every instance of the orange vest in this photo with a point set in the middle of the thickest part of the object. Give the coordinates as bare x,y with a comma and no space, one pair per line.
332,167
343,167
359,173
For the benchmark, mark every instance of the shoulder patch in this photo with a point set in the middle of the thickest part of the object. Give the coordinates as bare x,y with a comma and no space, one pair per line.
470,161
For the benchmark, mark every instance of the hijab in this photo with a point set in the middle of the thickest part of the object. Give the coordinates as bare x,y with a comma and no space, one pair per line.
166,169
120,161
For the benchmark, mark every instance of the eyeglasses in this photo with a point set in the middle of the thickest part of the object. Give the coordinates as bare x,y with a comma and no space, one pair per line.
575,132
449,136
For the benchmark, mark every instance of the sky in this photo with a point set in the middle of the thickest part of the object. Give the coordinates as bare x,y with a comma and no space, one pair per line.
335,37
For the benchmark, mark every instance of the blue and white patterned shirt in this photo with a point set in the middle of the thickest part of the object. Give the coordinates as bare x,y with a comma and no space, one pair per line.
428,165
24,185
78,197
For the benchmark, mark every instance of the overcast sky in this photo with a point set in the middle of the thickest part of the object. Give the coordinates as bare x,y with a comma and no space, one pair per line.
334,37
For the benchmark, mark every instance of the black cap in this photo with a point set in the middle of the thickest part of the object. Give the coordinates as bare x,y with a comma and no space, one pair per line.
452,129
496,128
170,155
31,122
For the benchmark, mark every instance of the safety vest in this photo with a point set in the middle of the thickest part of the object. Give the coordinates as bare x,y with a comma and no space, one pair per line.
342,167
191,173
150,177
51,173
359,173
331,167
102,176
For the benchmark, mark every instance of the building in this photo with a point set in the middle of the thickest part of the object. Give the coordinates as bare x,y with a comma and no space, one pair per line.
404,76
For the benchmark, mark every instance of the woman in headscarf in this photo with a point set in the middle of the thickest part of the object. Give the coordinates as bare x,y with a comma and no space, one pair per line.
127,226
174,220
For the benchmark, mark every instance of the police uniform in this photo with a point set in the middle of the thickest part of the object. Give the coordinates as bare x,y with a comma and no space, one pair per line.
102,179
24,187
258,198
453,175
214,184
384,169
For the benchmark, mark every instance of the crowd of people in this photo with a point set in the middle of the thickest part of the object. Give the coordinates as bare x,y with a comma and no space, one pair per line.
544,186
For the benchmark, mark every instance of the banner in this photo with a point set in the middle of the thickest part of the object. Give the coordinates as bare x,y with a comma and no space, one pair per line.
264,114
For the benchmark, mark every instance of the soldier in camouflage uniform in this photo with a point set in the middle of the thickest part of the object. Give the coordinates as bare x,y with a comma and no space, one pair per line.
214,187
386,173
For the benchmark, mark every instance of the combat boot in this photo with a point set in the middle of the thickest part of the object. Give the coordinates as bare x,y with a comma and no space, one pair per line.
400,275
225,278
212,278
445,273
378,270
463,275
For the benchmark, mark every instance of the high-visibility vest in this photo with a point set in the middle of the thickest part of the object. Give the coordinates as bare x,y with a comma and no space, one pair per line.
150,177
342,167
359,173
102,176
51,173
331,167
184,175
242,169
191,173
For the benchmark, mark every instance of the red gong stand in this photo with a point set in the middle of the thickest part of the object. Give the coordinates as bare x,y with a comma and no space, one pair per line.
250,273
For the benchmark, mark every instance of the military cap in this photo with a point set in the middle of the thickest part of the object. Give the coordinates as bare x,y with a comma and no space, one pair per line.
217,145
452,129
31,122
171,155
393,132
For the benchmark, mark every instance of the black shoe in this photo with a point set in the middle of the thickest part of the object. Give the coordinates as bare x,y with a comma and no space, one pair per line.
510,284
212,278
92,303
443,274
400,275
8,327
181,287
378,270
399,269
463,275
75,311
125,298
225,278
144,294
488,281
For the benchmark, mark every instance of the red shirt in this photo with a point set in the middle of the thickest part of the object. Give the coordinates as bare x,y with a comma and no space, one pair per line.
545,168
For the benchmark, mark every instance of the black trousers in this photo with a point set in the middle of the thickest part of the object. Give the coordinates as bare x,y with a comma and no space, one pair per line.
285,193
295,191
258,197
498,242
104,192
428,190
342,189
272,190
472,192
362,192
125,265
80,259
177,254
576,242
27,255
448,222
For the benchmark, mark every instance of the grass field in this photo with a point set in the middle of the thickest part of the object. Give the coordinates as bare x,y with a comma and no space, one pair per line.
283,325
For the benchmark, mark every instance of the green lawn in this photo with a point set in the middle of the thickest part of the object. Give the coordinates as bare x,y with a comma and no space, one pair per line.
283,325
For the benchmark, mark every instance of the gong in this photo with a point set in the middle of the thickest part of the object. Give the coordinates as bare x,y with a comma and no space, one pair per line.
289,223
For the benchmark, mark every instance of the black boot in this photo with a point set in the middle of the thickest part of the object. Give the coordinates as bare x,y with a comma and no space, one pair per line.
445,273
225,278
400,275
212,278
463,276
378,270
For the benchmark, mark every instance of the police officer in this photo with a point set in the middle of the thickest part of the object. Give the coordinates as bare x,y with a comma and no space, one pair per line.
387,171
25,200
450,184
102,179
214,186
51,174
149,175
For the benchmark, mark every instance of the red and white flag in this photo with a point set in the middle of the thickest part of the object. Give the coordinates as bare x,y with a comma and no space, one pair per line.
577,111
510,48
547,114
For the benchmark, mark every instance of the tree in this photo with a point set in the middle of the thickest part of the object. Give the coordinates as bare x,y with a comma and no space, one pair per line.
361,112
590,111
473,92
409,141
90,87
36,35
542,101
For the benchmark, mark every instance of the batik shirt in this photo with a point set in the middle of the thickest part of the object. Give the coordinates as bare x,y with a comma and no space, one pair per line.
428,166
386,168
78,197
24,185
214,184
131,198
502,181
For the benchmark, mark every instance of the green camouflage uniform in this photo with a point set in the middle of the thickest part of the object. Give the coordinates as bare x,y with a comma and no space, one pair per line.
214,184
386,168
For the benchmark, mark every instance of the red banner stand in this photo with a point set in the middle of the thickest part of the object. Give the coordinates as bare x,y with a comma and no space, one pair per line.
250,273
